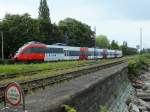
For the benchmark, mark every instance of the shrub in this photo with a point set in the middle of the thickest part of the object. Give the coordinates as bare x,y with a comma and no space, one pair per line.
103,109
129,100
6,61
138,63
69,109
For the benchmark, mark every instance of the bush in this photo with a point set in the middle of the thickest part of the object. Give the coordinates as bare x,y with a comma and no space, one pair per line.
140,62
6,61
103,109
69,109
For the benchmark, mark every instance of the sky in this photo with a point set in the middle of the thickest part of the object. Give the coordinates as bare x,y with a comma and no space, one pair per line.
119,20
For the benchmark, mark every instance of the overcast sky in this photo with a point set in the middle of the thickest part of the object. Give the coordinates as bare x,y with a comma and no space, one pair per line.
117,19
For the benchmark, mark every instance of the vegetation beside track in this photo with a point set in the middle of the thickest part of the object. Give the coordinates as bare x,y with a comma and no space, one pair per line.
20,68
137,64
47,69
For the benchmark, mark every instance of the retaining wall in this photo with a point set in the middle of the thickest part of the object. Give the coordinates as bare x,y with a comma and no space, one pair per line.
109,88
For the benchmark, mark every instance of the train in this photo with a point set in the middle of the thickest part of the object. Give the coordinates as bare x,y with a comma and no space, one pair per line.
39,52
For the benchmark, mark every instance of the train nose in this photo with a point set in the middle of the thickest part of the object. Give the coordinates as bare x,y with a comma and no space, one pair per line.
15,57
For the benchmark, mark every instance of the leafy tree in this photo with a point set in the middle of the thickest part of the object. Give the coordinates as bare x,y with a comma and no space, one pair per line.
128,50
114,45
45,26
102,41
57,35
145,51
0,38
124,47
17,29
76,33
44,13
131,51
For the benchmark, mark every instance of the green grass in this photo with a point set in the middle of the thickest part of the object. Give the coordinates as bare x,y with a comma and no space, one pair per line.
69,108
42,74
69,67
19,68
49,69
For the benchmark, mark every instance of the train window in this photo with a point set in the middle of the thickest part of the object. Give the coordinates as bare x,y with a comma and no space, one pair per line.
54,50
48,50
27,51
61,50
37,50
74,53
89,53
42,50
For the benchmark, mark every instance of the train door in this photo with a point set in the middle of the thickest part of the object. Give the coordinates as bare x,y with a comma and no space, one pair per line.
84,53
100,53
66,54
115,54
104,53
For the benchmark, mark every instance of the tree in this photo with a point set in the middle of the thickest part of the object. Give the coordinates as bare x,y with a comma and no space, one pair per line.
128,50
131,51
18,29
124,47
0,40
45,26
76,33
57,35
44,13
102,41
114,45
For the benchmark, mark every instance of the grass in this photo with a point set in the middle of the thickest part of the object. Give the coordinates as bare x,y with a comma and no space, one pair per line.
19,68
51,72
49,69
69,108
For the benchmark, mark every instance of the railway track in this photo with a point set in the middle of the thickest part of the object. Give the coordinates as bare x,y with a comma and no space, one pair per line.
13,75
4,76
41,83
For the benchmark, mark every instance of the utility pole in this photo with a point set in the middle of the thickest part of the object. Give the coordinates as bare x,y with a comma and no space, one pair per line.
95,43
2,45
141,31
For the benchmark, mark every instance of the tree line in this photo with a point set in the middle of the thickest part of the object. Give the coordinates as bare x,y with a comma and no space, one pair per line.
19,29
103,42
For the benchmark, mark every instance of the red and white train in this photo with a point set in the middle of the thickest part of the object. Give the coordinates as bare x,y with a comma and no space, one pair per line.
36,51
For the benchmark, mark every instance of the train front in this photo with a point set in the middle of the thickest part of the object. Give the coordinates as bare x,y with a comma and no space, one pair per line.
31,52
18,55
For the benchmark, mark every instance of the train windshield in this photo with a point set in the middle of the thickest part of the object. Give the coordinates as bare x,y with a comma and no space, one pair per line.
19,51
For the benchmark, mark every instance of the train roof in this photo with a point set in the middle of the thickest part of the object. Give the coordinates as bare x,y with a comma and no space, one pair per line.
62,45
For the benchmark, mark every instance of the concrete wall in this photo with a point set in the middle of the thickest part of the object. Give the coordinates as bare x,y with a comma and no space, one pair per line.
111,92
109,87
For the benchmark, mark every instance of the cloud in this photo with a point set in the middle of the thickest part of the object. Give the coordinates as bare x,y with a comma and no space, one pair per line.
118,19
129,9
125,30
